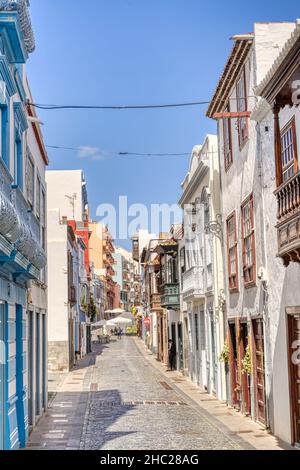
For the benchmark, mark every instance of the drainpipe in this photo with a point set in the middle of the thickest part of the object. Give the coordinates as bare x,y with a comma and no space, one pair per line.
264,283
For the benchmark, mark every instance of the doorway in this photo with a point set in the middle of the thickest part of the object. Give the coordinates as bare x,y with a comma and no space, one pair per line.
259,370
294,371
2,375
38,366
233,365
30,346
173,337
245,377
214,364
20,368
180,347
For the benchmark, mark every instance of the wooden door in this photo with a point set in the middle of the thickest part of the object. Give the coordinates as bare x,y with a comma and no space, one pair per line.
294,361
245,379
233,362
259,370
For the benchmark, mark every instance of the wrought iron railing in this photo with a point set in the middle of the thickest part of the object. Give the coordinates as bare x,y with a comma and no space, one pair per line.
17,223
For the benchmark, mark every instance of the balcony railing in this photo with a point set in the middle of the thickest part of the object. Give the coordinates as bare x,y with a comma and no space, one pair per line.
193,283
288,215
21,6
155,302
169,296
18,225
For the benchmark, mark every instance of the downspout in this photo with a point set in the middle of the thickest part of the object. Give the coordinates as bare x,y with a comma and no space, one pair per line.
264,282
264,285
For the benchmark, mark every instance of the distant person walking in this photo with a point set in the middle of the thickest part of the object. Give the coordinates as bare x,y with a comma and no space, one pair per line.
120,332
172,355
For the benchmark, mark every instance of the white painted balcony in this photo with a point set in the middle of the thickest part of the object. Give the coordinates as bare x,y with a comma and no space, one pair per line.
20,247
193,283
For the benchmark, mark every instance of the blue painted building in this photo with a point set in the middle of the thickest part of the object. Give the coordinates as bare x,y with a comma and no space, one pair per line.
22,257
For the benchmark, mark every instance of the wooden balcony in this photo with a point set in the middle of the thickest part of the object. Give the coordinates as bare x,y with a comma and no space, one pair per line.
169,296
288,215
155,302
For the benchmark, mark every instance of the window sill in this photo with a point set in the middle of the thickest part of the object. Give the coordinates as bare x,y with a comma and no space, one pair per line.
250,284
234,290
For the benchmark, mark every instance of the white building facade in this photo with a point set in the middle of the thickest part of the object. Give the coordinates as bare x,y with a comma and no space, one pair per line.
248,352
277,117
69,296
201,270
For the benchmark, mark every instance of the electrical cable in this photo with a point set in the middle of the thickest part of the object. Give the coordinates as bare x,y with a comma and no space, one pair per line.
143,106
134,154
120,107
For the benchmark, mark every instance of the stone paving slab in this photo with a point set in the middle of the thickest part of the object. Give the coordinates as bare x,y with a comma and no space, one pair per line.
238,426
134,409
121,398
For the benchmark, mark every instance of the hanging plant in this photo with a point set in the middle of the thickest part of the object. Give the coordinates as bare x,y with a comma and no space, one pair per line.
247,361
92,310
224,356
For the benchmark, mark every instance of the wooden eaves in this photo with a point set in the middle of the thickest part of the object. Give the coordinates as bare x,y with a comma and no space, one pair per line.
233,115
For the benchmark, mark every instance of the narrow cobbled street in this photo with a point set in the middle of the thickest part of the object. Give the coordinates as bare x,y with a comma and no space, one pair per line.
118,399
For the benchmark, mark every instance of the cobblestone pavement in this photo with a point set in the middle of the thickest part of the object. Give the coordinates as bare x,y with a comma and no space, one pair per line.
116,399
133,406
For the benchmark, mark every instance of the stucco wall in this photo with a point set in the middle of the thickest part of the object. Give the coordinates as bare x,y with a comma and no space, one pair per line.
283,285
65,183
58,279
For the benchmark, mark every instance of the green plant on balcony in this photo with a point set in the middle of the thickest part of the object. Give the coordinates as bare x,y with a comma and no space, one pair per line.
225,354
247,361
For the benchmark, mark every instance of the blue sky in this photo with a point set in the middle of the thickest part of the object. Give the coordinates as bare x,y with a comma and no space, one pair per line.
114,52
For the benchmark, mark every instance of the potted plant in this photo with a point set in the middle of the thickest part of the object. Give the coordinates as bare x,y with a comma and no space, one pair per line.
247,361
225,354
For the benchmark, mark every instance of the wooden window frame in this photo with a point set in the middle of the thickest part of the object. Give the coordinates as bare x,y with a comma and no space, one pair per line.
251,282
291,124
235,286
227,151
242,142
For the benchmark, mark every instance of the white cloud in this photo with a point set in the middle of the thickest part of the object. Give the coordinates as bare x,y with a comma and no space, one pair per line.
92,153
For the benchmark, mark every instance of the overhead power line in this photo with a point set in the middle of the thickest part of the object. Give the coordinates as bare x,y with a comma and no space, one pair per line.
142,106
120,107
57,147
129,154
123,154
154,154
